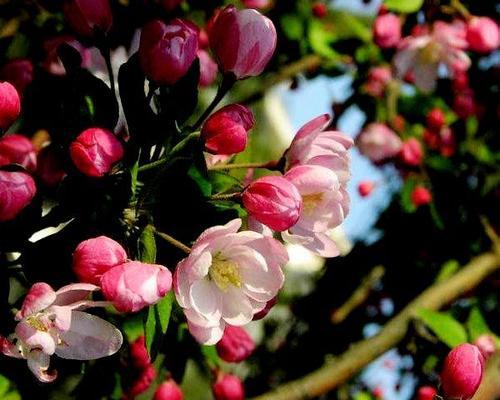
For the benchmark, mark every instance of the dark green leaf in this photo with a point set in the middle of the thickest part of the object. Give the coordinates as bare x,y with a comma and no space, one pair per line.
405,6
147,245
201,180
156,324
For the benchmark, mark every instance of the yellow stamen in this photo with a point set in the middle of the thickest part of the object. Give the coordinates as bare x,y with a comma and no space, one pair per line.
224,273
310,202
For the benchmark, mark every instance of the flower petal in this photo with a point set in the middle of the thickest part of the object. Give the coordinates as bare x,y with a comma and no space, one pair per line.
39,297
236,307
73,293
207,336
38,363
34,338
205,299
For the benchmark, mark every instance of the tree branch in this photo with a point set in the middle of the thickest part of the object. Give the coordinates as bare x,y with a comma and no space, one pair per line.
337,371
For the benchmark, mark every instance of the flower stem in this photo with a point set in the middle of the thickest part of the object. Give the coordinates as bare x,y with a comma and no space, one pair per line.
226,196
174,242
268,165
106,53
227,83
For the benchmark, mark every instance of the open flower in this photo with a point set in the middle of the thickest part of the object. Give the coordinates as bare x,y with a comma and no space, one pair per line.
325,204
228,277
422,55
51,322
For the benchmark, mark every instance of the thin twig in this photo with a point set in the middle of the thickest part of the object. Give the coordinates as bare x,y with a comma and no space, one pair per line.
267,165
337,371
226,196
173,241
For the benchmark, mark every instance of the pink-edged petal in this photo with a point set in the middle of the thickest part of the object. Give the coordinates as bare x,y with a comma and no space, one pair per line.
73,293
426,76
259,227
215,231
59,317
205,299
319,243
38,363
236,308
34,338
273,251
206,336
89,338
39,297
317,124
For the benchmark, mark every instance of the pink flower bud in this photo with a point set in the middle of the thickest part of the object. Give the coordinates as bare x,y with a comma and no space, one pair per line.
273,201
17,149
19,72
420,196
482,34
236,344
387,31
486,345
435,119
460,81
10,104
49,167
93,257
141,384
168,390
378,142
139,354
226,131
228,387
167,51
95,151
365,188
319,9
448,144
378,78
411,152
87,17
17,189
170,5
134,285
243,40
464,104
258,4
208,68
426,393
202,39
462,372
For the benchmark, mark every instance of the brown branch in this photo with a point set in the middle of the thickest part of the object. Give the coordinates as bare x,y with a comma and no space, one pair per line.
174,242
337,371
359,296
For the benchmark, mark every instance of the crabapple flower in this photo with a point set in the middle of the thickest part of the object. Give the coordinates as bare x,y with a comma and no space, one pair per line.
263,313
243,41
51,322
236,344
483,34
141,383
95,151
10,104
435,119
139,354
274,201
134,285
420,196
208,68
387,30
462,372
93,257
486,345
411,152
426,393
17,190
422,55
167,51
168,390
228,387
319,9
325,204
378,142
87,17
313,145
365,188
228,277
17,149
19,72
226,130
378,78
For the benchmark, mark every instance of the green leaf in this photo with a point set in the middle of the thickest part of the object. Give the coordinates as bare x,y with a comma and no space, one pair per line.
447,270
147,245
203,183
349,26
134,172
476,324
211,356
12,396
444,326
406,192
156,323
4,386
405,6
321,39
292,26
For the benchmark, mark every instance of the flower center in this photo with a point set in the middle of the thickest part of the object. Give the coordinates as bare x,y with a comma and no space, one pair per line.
310,202
430,53
224,273
37,324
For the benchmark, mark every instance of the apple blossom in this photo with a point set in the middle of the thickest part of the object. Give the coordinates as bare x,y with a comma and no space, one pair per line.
93,257
139,354
273,201
17,149
17,190
95,151
167,51
378,142
325,204
228,277
87,17
134,285
243,41
483,34
462,372
435,119
426,393
208,68
141,383
236,344
10,104
168,390
319,9
486,345
316,146
263,313
411,152
377,80
387,30
420,196
226,130
228,387
365,188
51,322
